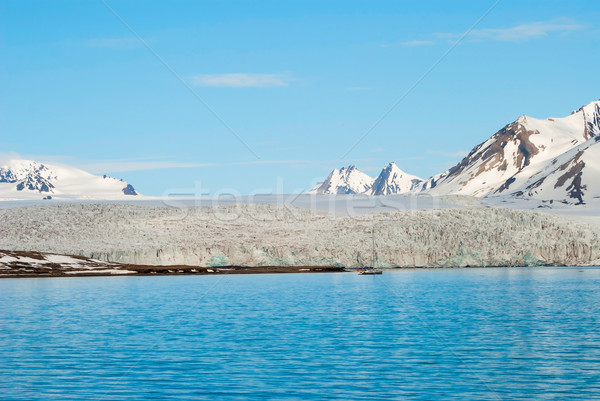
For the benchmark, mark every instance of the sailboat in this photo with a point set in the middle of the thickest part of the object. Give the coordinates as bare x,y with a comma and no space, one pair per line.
371,269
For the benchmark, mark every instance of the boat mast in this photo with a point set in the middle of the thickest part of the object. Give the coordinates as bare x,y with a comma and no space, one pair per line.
373,232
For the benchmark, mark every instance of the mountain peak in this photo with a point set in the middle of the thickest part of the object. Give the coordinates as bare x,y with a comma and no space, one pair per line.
591,119
590,105
522,119
392,181
506,161
346,180
23,179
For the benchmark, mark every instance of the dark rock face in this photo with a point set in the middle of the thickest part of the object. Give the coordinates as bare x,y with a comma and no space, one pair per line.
38,179
129,190
569,177
492,156
7,176
35,184
575,190
26,175
506,185
592,123
573,175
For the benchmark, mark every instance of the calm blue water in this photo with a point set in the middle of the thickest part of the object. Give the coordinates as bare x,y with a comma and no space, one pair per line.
423,334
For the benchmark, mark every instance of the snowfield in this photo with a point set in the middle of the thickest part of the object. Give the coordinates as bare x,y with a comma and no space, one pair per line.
267,235
29,180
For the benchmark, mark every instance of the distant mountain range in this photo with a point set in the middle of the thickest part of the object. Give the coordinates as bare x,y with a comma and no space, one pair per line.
26,179
350,180
553,159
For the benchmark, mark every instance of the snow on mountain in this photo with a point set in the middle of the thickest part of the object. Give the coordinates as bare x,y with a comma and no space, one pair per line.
526,148
572,177
26,179
347,180
591,116
392,181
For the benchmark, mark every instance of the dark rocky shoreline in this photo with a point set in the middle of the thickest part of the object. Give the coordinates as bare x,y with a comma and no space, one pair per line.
21,264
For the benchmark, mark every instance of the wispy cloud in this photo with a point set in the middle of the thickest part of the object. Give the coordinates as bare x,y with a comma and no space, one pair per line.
410,43
241,80
526,31
144,164
418,43
5,157
521,32
119,166
114,43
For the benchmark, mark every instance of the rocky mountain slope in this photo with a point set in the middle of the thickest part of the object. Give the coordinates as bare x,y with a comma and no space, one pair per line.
516,158
26,179
572,177
554,159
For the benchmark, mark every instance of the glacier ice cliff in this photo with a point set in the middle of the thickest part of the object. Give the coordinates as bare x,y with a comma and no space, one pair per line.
262,235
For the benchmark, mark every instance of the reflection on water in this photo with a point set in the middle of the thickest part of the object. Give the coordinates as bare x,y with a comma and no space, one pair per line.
464,333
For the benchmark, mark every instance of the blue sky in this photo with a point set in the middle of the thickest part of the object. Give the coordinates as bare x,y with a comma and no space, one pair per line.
247,96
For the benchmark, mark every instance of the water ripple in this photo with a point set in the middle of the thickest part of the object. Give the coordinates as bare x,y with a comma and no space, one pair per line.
419,334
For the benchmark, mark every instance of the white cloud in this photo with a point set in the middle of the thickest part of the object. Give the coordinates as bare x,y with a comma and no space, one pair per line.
6,157
525,31
101,166
418,43
530,30
119,166
241,80
114,166
144,164
115,43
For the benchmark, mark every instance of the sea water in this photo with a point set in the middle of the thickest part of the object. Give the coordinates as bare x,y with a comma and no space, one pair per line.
527,333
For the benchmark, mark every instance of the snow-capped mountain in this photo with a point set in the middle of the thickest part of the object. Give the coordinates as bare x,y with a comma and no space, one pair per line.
548,159
526,150
347,180
350,180
392,181
26,179
573,176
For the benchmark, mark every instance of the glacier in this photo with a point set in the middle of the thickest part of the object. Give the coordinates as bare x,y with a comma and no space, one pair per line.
268,234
